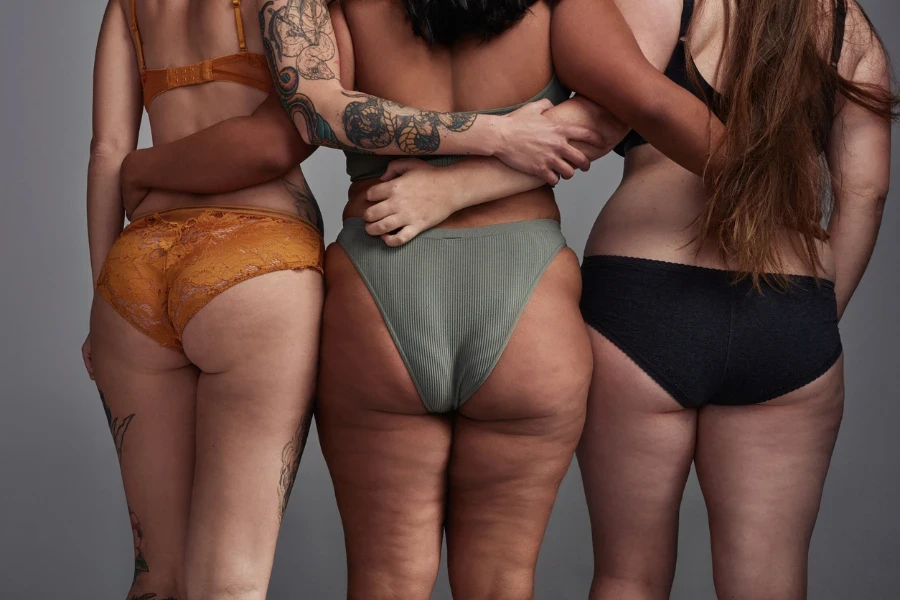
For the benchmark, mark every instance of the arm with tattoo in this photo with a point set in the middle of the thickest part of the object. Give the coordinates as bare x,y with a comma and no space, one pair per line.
416,196
299,40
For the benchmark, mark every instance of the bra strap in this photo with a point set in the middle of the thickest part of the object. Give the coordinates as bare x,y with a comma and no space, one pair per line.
239,23
139,45
837,43
687,12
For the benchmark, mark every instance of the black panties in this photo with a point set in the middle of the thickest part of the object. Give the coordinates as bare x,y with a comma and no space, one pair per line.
707,340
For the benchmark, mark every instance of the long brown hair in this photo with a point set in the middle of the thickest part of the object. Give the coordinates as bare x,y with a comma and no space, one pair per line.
779,88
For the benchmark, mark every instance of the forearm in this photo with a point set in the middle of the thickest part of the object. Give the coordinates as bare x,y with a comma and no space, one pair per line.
854,230
487,179
303,53
105,214
230,155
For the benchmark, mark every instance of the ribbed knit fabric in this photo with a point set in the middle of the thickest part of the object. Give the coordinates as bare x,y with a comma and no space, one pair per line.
452,297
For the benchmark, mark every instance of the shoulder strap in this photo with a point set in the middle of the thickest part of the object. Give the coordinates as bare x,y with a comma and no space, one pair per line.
687,12
837,42
139,45
239,23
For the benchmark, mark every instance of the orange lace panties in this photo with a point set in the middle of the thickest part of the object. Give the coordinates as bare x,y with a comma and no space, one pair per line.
167,266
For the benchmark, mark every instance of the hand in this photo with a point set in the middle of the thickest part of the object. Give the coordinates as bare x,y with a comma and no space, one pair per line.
132,194
86,356
413,197
534,144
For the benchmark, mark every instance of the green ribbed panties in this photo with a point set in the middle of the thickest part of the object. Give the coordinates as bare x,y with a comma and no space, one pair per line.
451,298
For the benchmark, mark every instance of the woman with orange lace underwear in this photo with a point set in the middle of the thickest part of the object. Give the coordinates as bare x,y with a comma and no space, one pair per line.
205,322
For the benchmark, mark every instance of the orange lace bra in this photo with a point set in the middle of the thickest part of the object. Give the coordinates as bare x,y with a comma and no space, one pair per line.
246,68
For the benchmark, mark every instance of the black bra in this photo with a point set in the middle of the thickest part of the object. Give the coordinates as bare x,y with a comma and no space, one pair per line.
677,71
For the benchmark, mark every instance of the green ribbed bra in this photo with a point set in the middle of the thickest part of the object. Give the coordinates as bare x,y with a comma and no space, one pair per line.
371,166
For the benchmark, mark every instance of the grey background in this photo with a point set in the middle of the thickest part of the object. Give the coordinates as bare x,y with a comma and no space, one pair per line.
64,529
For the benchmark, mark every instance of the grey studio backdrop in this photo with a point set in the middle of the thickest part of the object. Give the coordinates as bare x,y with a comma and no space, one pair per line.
64,528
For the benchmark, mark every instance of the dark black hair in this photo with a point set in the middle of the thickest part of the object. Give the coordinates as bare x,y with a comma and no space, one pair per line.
445,21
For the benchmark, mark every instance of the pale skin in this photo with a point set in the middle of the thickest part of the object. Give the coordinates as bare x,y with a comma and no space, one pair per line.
213,433
404,477
762,468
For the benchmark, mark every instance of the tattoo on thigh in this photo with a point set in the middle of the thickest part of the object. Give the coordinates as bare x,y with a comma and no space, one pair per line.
290,462
305,202
116,428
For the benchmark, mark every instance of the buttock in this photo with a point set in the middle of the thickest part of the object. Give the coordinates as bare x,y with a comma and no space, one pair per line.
451,298
706,339
165,267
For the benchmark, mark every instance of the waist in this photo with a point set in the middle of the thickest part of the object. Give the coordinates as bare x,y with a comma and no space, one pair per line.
184,214
272,195
533,205
653,214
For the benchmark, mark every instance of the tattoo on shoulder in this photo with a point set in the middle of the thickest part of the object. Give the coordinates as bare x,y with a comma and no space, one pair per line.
305,203
290,462
297,38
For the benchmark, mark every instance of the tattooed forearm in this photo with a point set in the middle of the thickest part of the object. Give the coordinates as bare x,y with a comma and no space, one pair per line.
290,462
372,123
305,203
298,39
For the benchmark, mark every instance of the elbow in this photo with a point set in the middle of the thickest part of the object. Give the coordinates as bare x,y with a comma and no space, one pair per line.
285,153
109,150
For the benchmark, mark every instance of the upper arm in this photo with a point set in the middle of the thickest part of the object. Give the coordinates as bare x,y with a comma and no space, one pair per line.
118,103
859,145
656,25
596,54
346,63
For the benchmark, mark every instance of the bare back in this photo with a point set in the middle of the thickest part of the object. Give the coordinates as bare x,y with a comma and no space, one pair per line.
393,63
652,213
175,33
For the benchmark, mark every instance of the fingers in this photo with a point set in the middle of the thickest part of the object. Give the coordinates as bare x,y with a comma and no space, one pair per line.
401,237
86,357
542,105
386,225
548,175
575,133
379,192
396,168
564,170
377,212
576,158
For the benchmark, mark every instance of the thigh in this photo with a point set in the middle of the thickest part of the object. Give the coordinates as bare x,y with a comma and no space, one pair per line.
762,469
387,456
257,346
635,456
514,440
149,396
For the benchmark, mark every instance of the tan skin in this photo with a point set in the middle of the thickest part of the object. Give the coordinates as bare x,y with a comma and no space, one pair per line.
487,475
208,429
762,468
202,456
